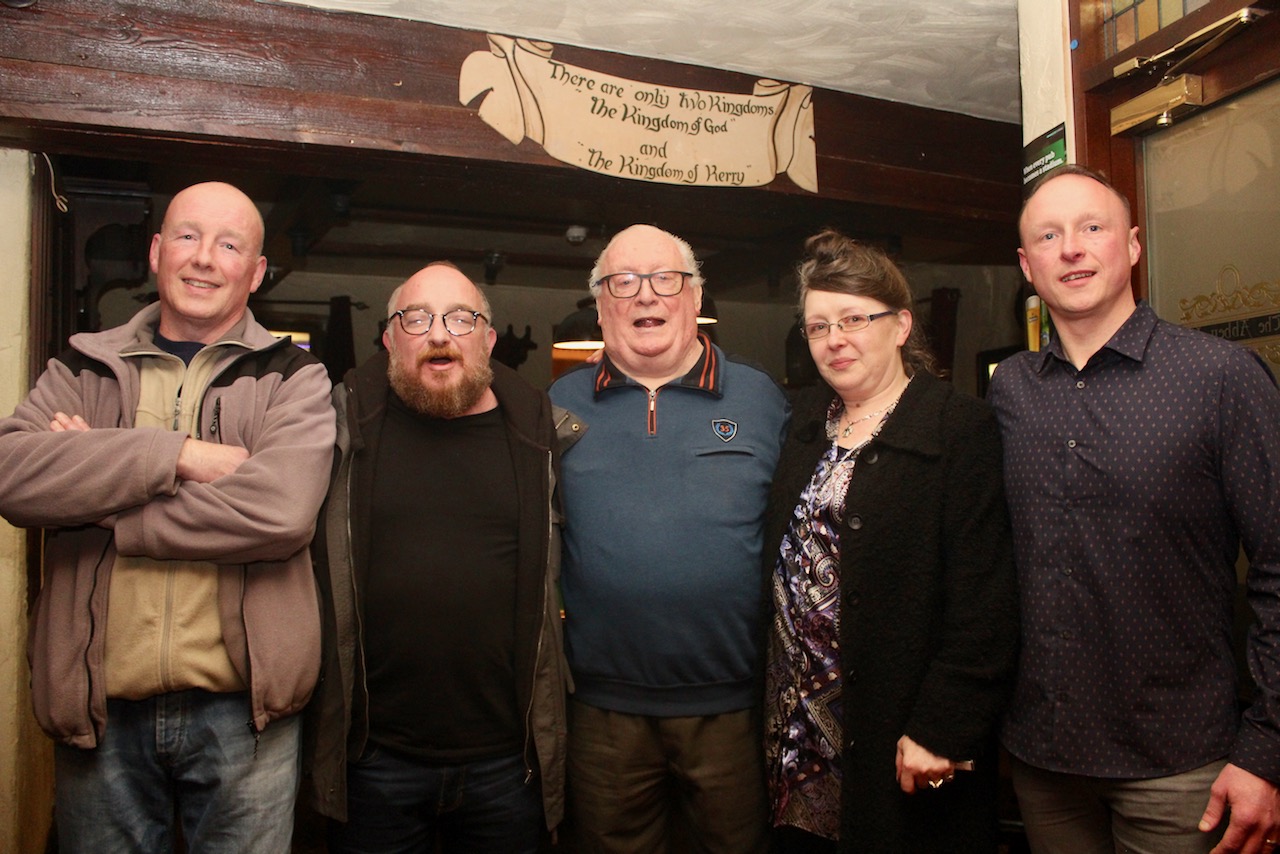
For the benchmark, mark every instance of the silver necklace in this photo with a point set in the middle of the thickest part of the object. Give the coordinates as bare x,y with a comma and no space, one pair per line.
844,434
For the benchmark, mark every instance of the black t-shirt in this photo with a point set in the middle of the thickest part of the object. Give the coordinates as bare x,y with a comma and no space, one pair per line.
439,606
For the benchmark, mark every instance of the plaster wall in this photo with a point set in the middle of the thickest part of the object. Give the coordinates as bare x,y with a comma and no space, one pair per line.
1044,45
26,767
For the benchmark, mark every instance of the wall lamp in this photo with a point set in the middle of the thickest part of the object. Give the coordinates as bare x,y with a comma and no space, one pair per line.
580,330
707,314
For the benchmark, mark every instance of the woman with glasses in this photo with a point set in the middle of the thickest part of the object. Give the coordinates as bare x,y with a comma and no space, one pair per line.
890,574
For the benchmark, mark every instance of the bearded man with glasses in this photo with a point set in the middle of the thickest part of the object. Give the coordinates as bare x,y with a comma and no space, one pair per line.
442,711
665,495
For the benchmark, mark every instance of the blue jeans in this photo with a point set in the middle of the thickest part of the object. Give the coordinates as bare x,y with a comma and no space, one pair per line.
189,752
396,804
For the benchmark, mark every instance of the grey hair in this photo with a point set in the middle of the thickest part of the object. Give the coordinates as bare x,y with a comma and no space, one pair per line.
690,261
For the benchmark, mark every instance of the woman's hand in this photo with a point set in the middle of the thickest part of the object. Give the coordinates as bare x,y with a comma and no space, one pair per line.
920,769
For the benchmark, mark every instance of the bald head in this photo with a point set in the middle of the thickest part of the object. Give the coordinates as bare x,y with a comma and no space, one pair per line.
652,337
227,202
438,271
1061,172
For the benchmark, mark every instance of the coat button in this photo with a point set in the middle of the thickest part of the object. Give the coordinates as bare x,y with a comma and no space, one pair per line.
871,456
855,523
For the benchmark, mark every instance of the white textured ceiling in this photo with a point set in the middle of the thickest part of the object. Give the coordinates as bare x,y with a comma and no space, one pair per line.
954,55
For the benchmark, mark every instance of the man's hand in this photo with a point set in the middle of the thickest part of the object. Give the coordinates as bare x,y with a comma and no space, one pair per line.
62,423
205,462
1255,812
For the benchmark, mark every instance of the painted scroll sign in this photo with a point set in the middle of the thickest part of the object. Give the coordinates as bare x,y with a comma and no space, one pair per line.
663,134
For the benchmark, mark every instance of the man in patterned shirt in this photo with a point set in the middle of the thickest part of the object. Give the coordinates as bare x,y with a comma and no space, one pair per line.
1139,457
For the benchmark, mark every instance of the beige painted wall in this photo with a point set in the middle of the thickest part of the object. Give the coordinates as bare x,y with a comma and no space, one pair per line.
26,768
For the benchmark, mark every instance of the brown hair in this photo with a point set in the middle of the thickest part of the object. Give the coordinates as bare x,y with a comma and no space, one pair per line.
839,264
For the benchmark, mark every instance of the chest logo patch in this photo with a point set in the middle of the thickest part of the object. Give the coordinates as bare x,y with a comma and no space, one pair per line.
724,428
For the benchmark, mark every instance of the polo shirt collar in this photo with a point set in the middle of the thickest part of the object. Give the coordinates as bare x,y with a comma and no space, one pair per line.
705,375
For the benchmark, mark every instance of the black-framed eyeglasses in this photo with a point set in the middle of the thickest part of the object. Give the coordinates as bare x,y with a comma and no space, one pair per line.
852,323
665,283
417,321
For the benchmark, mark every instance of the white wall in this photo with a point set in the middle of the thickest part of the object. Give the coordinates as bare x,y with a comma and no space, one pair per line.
1044,52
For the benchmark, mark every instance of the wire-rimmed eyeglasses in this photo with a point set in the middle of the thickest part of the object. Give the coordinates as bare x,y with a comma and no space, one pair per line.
417,321
665,283
852,323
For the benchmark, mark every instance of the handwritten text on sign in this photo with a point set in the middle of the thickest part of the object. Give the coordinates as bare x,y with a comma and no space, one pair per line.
621,127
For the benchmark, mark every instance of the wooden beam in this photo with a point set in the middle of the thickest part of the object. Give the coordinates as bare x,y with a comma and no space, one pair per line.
241,73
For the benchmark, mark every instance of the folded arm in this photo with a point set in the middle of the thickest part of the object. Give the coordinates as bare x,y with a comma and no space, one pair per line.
265,507
67,475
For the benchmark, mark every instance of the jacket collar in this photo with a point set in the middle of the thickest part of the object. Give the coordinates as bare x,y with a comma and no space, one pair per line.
137,336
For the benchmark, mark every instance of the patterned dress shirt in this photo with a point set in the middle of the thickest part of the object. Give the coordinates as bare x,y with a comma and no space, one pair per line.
802,677
802,680
1132,484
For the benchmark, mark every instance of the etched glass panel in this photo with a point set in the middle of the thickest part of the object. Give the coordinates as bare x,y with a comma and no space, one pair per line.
1213,216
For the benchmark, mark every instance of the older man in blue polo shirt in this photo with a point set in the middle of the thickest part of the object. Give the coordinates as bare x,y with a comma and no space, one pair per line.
665,496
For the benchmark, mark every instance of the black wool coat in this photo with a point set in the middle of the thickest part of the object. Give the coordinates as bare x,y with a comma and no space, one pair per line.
929,611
